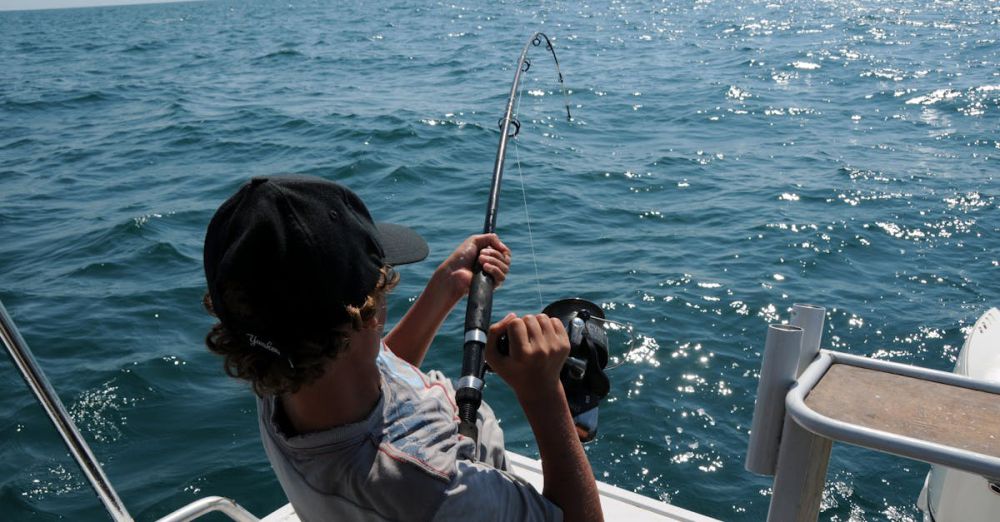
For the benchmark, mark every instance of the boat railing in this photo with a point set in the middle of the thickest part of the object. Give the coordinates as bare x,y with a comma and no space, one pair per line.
80,450
807,398
207,505
46,395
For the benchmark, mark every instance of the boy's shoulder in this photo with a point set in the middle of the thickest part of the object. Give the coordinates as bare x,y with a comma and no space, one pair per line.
419,417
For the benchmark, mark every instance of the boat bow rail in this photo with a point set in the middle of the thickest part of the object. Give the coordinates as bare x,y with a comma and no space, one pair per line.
204,506
78,447
926,415
47,397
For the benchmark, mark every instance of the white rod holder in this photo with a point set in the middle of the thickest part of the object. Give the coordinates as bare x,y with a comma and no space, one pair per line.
810,319
800,476
777,373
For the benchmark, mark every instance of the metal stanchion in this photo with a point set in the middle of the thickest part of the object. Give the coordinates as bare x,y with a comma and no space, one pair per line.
46,395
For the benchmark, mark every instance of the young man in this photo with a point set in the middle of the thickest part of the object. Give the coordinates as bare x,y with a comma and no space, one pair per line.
298,275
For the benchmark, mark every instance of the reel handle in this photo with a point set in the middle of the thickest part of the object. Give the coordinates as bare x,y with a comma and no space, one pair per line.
575,367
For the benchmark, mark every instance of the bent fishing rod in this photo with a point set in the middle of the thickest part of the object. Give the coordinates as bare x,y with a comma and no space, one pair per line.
469,392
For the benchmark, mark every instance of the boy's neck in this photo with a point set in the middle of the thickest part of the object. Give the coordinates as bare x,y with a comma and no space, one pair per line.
346,393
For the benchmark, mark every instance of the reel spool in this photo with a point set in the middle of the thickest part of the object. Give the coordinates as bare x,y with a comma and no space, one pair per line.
583,377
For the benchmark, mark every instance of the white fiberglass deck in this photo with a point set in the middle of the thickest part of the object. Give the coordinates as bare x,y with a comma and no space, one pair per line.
618,504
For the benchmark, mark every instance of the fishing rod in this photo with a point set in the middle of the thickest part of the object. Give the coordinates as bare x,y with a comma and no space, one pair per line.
469,392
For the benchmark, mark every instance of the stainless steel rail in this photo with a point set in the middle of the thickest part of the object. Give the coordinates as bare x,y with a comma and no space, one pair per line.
901,445
798,458
207,505
78,447
40,386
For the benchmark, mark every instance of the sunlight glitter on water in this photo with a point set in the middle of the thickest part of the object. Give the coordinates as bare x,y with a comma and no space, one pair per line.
846,147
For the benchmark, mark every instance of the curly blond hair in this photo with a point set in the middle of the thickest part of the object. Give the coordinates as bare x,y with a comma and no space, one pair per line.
272,374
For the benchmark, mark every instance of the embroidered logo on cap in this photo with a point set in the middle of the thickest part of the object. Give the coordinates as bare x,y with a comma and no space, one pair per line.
269,346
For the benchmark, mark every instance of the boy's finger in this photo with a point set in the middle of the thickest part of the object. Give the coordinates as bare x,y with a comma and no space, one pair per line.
495,265
533,330
517,333
483,240
490,240
493,258
559,329
496,330
544,325
498,275
500,246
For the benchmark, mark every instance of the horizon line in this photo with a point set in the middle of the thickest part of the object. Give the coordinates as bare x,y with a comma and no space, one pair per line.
29,5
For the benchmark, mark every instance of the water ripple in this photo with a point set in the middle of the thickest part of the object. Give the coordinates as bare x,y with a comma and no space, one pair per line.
727,158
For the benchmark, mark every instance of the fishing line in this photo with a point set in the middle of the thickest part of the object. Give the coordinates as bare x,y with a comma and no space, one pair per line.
524,198
536,41
627,329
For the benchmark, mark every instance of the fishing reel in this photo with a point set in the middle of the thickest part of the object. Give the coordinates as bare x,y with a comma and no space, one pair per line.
583,375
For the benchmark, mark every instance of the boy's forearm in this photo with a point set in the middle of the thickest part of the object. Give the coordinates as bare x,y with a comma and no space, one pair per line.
412,335
569,481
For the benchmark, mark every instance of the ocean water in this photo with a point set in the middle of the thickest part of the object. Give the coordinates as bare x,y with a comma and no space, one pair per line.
726,159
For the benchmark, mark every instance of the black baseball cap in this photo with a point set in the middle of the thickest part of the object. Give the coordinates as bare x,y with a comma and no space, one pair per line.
285,255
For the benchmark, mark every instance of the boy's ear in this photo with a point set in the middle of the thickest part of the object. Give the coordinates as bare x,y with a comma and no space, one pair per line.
375,322
381,315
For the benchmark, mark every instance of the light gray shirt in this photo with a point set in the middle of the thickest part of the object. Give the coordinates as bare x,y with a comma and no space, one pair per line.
405,461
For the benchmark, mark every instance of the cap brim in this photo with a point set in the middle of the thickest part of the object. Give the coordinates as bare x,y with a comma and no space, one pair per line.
401,244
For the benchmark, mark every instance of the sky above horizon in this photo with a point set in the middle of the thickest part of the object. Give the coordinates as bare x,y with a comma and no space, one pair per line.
18,5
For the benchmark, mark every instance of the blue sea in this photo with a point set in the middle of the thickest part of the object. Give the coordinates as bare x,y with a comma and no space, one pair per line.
726,159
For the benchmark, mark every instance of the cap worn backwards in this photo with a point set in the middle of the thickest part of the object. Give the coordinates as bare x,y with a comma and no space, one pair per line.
286,254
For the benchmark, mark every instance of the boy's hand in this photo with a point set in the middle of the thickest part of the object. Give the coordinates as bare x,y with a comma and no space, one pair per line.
538,348
487,250
412,335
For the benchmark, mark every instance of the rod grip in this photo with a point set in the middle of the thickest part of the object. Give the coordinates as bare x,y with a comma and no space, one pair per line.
480,304
473,359
469,394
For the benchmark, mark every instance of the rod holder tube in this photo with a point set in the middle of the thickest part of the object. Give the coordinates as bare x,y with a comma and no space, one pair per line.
777,373
800,476
810,319
46,395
